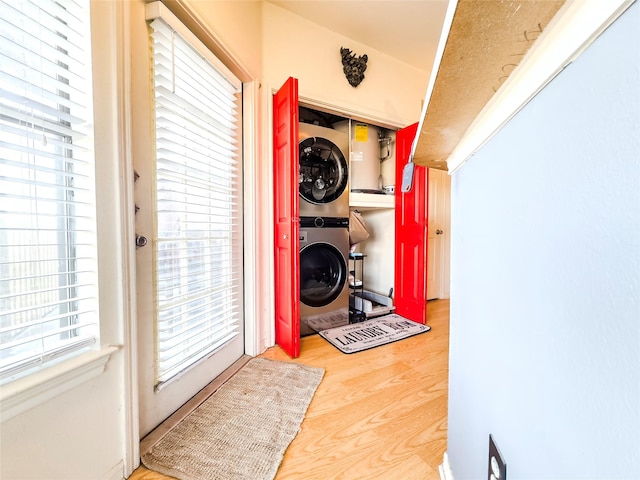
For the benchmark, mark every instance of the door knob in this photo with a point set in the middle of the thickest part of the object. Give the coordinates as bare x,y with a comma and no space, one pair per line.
439,232
141,241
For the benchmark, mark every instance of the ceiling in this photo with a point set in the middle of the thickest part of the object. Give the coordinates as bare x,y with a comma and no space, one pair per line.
408,30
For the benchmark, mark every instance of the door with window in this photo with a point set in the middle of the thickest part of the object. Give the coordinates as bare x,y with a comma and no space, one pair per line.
189,200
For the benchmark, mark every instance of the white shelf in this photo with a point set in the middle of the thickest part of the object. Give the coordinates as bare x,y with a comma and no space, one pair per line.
371,200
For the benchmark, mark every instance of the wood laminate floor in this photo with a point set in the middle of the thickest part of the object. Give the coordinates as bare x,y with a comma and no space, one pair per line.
377,414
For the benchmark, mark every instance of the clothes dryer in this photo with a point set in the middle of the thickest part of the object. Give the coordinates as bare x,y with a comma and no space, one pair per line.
324,272
323,183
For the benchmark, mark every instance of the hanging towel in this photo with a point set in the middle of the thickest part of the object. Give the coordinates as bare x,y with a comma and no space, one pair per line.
357,228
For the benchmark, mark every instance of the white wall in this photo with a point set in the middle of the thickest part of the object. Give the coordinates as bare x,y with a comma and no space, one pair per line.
294,47
238,25
545,313
75,436
379,263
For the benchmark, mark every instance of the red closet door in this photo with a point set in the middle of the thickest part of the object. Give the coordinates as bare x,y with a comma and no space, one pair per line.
410,261
287,242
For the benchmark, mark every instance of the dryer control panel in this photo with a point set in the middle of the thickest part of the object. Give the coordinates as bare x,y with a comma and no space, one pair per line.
324,222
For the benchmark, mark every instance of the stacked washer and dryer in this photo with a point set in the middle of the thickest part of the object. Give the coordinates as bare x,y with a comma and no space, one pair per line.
324,228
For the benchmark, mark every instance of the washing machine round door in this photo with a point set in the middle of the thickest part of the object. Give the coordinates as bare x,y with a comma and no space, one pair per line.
323,170
323,273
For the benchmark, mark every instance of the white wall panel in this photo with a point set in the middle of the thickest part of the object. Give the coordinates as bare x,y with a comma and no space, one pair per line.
546,278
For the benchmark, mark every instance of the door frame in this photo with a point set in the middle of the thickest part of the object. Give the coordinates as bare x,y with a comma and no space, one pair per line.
265,304
445,258
130,410
258,195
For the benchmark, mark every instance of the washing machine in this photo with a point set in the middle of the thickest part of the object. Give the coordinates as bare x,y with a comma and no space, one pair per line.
324,272
323,183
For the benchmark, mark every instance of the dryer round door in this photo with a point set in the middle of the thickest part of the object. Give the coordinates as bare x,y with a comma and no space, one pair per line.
323,172
323,274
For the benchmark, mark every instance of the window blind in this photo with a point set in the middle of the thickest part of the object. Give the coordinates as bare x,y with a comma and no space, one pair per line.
198,245
48,271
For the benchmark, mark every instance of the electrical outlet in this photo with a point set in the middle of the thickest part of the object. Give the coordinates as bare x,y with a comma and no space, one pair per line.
497,465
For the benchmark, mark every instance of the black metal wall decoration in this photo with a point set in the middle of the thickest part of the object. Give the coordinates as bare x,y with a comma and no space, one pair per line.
353,66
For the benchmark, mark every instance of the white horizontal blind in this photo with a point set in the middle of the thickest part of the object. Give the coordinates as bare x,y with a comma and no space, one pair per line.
48,279
198,248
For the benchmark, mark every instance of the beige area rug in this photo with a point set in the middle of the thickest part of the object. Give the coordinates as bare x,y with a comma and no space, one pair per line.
243,429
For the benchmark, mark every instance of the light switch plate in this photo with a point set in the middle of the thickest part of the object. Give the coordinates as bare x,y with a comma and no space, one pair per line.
497,465
407,177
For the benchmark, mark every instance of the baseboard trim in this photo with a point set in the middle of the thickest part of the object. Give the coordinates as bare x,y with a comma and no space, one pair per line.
116,473
445,468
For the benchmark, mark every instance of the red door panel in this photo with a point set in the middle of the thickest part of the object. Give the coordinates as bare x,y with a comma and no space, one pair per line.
287,241
410,289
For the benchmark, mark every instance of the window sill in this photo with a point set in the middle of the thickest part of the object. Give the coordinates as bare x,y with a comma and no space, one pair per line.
25,393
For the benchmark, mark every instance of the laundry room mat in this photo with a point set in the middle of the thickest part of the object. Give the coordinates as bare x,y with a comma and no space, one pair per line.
243,429
357,337
327,321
